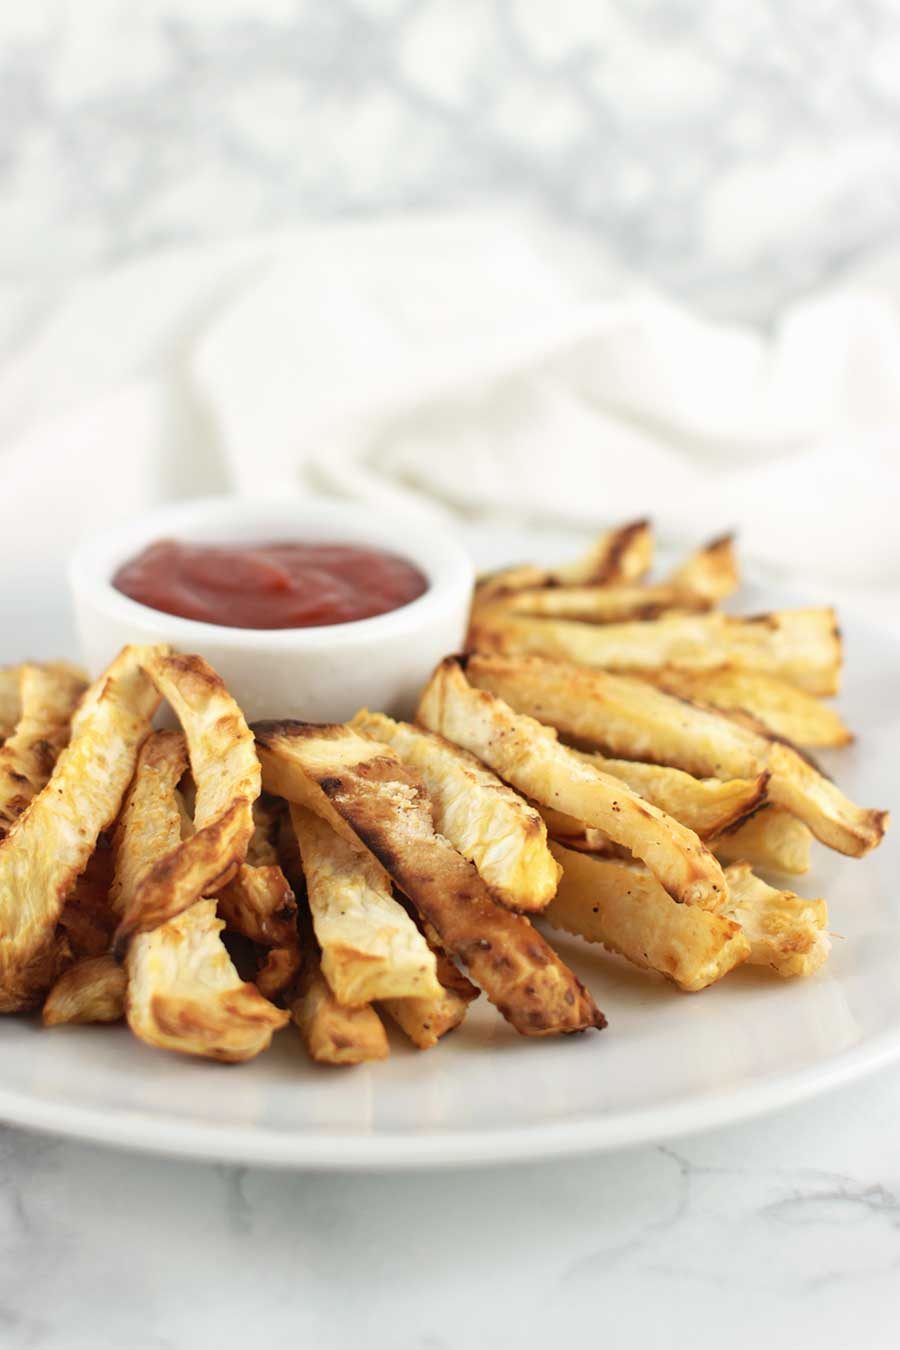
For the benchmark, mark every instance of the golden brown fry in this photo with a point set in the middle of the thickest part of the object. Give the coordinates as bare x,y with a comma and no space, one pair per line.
49,697
183,991
150,821
277,971
259,904
453,980
226,773
588,604
785,932
801,789
711,573
88,919
369,946
363,789
633,719
770,838
629,718
508,580
484,819
10,699
706,805
54,838
623,907
262,850
529,756
621,555
802,646
426,1020
706,577
575,834
781,707
331,1032
93,990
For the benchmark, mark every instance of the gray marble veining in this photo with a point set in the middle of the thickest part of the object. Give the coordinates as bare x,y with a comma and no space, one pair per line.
783,1232
734,154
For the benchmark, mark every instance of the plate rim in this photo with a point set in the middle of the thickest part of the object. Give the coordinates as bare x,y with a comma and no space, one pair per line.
392,1151
395,1151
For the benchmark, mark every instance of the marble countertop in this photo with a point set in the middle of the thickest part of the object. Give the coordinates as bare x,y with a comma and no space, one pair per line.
784,1232
736,156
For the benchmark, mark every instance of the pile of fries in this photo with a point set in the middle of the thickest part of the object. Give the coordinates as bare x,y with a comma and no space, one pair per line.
612,757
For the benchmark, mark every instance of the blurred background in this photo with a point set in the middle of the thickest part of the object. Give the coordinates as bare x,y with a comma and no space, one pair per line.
565,261
735,154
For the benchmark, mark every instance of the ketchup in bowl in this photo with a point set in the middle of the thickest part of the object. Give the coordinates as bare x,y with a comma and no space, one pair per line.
278,585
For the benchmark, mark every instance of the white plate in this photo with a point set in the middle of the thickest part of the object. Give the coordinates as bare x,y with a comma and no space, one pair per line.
669,1063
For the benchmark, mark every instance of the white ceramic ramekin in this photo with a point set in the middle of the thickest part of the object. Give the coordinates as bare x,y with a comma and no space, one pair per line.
316,674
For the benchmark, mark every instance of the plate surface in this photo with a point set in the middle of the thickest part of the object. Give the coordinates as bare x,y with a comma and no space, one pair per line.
668,1064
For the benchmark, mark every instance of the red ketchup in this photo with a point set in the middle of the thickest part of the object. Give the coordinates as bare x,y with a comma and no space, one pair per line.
279,585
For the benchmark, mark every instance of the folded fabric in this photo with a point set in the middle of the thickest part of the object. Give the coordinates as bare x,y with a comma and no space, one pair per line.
463,364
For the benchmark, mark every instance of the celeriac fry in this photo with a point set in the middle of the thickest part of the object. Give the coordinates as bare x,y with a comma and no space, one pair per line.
183,991
624,553
426,1020
53,839
802,645
706,805
49,696
370,948
589,604
226,773
259,904
575,834
781,707
87,918
705,578
711,573
624,907
332,1032
10,699
800,788
770,838
484,819
530,757
93,990
784,931
277,971
620,555
633,719
262,850
150,821
453,980
367,794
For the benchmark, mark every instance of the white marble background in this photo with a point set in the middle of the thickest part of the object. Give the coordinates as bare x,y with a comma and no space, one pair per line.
738,154
784,1234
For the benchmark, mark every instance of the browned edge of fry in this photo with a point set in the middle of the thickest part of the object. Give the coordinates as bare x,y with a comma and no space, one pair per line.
384,805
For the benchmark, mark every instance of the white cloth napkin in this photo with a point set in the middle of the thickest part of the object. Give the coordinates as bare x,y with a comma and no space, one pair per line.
472,364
